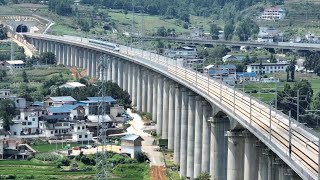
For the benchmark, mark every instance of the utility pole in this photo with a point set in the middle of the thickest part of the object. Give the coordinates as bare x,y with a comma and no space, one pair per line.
132,25
298,102
290,133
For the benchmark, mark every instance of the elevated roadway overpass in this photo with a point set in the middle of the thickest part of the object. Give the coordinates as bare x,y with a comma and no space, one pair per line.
279,45
210,126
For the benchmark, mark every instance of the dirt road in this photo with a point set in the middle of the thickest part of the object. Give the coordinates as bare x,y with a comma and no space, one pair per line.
158,170
158,173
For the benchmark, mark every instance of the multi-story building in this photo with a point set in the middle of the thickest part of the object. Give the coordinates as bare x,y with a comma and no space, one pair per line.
20,103
12,65
196,32
273,13
265,68
80,132
269,35
91,105
186,52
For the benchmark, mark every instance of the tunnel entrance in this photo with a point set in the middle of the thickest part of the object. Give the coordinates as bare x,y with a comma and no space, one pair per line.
22,28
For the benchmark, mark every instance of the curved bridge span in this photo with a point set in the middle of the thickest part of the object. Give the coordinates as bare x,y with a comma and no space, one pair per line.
210,126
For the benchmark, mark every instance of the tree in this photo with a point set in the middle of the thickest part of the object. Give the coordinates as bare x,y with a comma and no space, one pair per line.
24,76
273,59
288,71
61,7
203,176
7,112
214,31
292,68
3,32
287,99
3,75
162,31
246,28
47,58
228,31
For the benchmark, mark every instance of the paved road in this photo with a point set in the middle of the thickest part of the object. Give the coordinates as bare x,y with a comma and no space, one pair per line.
137,127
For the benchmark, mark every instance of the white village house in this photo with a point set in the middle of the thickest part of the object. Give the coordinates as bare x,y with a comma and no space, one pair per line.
266,68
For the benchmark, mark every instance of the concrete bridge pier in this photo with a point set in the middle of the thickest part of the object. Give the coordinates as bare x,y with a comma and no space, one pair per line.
159,104
93,65
44,46
144,77
83,58
65,56
235,155
69,58
198,137
218,147
271,166
184,132
114,70
139,89
125,76
134,73
165,109
177,124
130,74
171,115
205,161
282,171
251,156
263,162
109,69
120,73
154,99
191,128
61,51
73,56
150,92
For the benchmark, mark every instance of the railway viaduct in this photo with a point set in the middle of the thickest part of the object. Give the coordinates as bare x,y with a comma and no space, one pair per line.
210,126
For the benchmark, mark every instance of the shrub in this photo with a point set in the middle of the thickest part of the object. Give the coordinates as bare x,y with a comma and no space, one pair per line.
29,158
63,162
88,161
9,176
141,157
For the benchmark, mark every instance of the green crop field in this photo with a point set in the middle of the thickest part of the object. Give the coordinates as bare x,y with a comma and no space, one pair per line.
39,170
53,146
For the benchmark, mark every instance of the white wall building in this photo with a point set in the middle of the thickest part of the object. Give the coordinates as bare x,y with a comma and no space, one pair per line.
267,67
131,144
183,52
80,132
273,13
